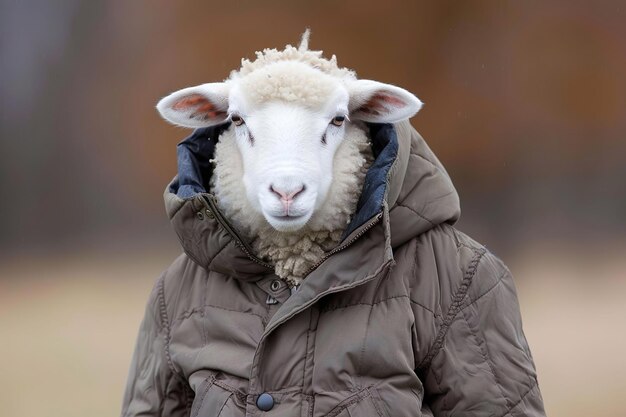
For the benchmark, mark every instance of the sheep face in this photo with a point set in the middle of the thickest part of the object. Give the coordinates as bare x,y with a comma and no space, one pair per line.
289,120
287,153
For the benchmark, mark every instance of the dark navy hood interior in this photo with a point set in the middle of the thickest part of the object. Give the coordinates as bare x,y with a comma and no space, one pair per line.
195,169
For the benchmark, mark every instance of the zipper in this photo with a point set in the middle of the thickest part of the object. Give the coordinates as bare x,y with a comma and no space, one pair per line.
209,202
365,228
341,247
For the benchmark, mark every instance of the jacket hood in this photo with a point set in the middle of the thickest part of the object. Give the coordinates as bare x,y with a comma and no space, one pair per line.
406,186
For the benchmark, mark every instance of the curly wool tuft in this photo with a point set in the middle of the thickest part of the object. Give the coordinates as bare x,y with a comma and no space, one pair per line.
291,75
301,54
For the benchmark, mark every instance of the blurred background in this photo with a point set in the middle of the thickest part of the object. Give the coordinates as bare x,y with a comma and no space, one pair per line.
525,106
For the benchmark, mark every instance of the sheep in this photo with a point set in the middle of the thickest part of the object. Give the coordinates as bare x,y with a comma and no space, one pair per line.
290,167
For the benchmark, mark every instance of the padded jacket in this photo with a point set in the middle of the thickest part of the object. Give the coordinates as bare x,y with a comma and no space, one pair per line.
406,317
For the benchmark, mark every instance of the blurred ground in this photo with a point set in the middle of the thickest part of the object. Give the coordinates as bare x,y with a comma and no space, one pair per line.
69,326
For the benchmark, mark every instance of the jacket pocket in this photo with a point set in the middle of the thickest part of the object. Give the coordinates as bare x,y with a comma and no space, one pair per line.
365,403
215,400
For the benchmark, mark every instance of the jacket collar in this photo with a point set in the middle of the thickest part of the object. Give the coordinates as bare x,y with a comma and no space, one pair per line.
406,192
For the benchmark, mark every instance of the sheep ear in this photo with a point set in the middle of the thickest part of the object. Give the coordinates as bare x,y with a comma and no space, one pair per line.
376,102
201,106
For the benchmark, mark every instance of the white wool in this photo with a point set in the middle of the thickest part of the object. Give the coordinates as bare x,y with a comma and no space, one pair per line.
291,75
292,82
293,254
313,58
304,41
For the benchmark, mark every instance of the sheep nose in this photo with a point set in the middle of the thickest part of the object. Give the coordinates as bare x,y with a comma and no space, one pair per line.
287,196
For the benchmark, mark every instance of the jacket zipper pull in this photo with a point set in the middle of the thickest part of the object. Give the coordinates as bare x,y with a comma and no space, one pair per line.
270,300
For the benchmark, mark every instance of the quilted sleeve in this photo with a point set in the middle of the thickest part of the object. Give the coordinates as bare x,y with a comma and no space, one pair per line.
480,364
152,389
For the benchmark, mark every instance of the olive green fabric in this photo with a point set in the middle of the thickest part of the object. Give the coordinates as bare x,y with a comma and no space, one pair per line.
407,317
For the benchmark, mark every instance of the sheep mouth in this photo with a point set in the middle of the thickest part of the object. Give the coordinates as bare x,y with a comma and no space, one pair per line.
288,217
288,223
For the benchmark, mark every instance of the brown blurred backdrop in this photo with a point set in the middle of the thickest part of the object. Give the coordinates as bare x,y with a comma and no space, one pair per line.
525,106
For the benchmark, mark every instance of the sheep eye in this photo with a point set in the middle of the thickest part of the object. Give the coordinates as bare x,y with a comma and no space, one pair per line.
237,120
338,121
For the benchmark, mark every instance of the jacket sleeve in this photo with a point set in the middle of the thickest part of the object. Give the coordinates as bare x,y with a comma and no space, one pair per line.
480,364
152,389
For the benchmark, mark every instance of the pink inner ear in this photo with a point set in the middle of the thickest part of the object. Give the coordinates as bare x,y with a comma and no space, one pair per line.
393,100
194,100
200,105
377,102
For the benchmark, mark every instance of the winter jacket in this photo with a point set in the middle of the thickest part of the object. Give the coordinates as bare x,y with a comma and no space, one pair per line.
407,317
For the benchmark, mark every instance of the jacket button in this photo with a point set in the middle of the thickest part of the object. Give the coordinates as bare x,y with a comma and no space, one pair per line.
209,214
265,402
275,285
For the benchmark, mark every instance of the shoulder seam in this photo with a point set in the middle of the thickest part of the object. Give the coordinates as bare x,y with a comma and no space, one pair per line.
453,310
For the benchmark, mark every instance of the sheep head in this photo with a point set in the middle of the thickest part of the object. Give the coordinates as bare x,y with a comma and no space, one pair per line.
290,112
